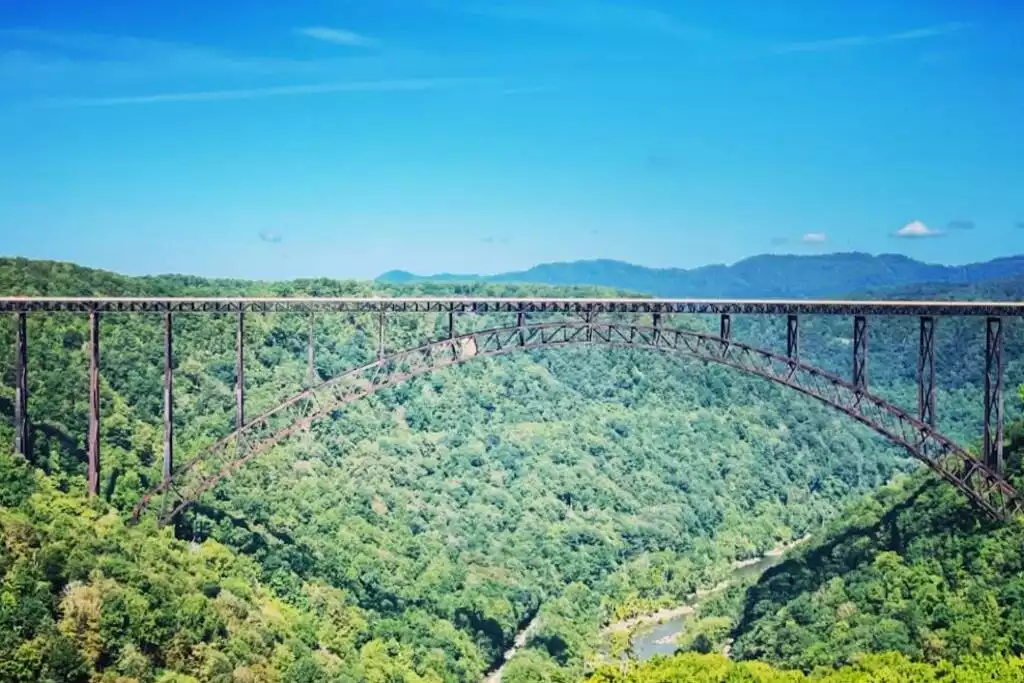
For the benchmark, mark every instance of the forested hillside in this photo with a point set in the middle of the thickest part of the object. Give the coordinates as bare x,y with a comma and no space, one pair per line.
412,537
891,667
907,585
910,569
768,275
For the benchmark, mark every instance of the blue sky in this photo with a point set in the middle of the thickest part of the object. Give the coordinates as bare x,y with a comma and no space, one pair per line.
345,138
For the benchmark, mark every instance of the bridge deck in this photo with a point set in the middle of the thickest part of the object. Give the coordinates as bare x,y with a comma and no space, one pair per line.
512,304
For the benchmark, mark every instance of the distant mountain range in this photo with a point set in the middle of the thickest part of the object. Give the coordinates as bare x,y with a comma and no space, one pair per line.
769,276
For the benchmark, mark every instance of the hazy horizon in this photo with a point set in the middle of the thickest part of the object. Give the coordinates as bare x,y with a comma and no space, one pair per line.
439,273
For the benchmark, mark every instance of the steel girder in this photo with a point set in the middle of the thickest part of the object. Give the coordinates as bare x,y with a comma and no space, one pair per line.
93,476
926,381
993,439
980,483
168,396
793,336
21,421
860,353
507,305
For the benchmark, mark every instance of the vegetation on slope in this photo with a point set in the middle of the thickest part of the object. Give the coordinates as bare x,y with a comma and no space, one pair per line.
910,569
697,668
438,518
83,595
909,585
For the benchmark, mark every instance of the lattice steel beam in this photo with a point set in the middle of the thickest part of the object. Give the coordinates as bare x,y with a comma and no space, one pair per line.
311,373
168,396
993,442
860,353
984,487
93,477
509,305
21,424
926,372
240,370
521,323
792,336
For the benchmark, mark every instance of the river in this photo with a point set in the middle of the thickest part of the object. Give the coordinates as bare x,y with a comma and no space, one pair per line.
518,644
656,634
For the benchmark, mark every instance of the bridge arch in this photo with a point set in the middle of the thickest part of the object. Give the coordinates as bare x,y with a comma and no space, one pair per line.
979,483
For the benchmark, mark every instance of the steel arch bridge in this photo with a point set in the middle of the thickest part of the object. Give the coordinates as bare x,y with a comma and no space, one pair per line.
981,480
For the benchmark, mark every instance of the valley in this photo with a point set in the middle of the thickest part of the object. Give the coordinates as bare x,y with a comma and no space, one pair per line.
414,537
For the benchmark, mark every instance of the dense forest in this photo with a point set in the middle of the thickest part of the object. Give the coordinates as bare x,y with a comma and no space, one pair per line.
891,667
910,569
413,537
908,585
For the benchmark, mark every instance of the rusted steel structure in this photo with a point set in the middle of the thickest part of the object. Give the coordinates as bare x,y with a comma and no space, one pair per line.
926,372
240,372
168,396
21,430
993,443
311,375
508,305
793,336
624,324
860,353
93,477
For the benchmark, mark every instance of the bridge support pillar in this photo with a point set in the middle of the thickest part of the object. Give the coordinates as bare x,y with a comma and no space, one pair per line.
656,318
926,372
451,323
993,442
310,352
860,353
240,371
793,337
94,404
381,326
168,396
725,332
521,323
21,431
588,318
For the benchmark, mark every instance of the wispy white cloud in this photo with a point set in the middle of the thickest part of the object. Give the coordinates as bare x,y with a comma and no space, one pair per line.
338,36
589,15
258,93
848,42
814,238
270,236
125,55
917,229
69,69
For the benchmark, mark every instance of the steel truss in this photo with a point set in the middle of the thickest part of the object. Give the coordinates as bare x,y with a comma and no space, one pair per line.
993,439
926,381
860,353
505,305
21,422
977,480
